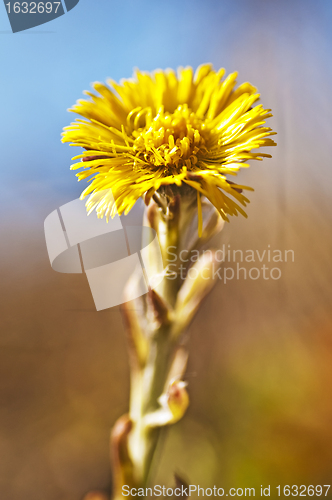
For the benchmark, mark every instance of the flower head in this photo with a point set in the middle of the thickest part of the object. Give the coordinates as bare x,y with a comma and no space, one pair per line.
163,129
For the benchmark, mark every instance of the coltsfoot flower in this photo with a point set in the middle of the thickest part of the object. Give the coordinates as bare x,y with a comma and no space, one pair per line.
162,129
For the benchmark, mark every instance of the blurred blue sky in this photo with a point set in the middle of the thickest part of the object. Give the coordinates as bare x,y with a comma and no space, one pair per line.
45,69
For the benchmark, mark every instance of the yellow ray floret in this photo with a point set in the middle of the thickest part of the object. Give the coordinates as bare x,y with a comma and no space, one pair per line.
165,128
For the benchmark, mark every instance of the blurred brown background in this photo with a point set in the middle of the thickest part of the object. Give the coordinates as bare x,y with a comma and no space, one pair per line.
260,372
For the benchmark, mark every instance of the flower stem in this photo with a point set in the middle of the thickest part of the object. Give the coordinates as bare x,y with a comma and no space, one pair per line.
143,440
149,383
157,363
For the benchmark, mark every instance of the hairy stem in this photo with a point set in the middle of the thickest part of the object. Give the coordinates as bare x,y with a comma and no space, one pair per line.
148,383
154,337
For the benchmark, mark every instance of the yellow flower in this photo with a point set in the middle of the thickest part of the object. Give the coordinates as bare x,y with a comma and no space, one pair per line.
162,129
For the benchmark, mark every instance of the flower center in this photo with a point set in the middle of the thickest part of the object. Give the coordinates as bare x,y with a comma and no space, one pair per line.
170,140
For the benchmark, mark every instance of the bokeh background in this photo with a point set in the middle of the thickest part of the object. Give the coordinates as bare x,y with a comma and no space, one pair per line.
260,370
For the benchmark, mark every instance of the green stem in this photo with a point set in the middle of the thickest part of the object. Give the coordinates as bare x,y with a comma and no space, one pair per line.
148,382
147,385
154,379
154,336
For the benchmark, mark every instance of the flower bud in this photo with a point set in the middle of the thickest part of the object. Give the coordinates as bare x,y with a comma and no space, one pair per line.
174,403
